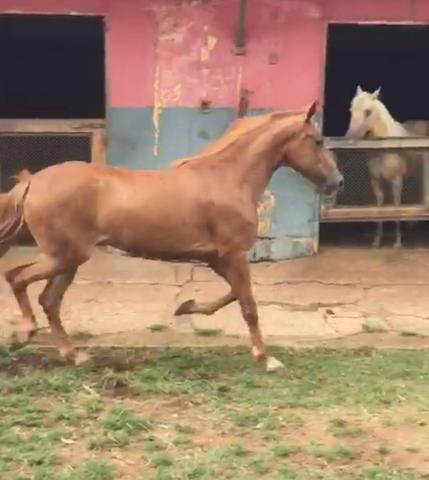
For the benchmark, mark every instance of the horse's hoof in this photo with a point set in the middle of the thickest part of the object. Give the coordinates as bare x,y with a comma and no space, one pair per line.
76,357
81,357
19,339
376,244
73,355
397,245
185,307
273,365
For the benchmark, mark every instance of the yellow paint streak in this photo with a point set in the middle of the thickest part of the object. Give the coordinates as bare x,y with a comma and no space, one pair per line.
207,48
265,211
177,92
157,110
211,42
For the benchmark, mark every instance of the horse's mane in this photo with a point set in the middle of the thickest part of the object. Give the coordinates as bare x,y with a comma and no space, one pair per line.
394,127
238,128
386,119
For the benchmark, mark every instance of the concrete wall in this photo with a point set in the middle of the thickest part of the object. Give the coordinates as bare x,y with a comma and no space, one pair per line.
164,56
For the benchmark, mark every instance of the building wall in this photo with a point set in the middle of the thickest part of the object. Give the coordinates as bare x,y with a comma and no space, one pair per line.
163,57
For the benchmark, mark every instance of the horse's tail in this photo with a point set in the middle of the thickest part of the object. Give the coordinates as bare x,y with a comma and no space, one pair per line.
12,211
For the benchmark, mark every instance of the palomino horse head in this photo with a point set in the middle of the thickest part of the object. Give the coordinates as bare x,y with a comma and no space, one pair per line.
305,154
362,112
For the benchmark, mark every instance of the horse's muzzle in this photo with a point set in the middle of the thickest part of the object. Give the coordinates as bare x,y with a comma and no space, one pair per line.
334,183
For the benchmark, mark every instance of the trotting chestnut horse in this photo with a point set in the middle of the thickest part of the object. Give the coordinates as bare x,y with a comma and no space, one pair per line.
203,208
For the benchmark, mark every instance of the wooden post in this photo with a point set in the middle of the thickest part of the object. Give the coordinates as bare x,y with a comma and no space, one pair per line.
98,147
425,178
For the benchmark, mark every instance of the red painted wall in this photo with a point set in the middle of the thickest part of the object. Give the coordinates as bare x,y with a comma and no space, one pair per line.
175,53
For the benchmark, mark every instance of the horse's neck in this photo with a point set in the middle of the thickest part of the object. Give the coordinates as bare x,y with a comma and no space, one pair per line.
385,125
257,165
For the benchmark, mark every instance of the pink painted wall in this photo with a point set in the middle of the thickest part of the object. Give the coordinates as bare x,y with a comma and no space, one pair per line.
175,53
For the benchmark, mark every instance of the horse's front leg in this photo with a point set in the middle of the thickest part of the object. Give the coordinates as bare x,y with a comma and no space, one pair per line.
209,308
397,184
377,188
236,272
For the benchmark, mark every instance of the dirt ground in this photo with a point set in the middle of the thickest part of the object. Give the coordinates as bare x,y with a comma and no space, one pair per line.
344,296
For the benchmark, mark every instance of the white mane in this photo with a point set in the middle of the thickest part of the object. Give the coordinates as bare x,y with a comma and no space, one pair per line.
394,128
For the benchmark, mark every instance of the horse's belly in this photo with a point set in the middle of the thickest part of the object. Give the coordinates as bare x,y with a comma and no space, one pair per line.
392,166
157,232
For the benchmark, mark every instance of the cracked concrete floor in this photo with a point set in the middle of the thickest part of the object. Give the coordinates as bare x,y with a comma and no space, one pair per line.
342,296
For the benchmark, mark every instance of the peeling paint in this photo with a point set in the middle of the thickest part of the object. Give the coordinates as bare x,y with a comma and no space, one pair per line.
177,92
157,110
169,28
208,47
266,206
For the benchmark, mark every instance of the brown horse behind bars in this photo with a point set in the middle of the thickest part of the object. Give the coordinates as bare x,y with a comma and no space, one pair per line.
203,208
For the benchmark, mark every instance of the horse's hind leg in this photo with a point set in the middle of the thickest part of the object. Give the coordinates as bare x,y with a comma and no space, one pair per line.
21,277
50,300
397,184
27,325
377,188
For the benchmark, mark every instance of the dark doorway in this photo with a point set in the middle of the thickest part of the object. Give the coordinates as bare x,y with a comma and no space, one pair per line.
52,66
393,57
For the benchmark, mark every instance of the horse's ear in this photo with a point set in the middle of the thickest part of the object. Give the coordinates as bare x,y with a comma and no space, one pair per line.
311,111
359,90
376,93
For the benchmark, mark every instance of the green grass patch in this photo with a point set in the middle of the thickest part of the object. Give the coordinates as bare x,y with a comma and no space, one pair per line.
373,326
336,453
284,450
81,336
183,414
207,332
341,428
158,327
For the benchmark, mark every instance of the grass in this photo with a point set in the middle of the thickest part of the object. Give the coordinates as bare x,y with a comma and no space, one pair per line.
341,428
158,327
207,332
409,333
81,336
284,450
175,414
336,453
384,449
92,470
373,326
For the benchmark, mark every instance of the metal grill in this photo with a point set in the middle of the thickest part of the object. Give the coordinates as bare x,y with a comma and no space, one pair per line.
35,151
355,166
364,160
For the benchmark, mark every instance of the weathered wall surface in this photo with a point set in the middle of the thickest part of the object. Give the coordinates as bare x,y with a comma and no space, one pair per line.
163,57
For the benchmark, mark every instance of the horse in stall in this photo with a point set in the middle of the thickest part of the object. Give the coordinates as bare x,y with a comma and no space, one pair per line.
369,118
202,208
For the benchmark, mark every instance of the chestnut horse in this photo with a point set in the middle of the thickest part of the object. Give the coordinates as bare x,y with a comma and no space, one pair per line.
203,208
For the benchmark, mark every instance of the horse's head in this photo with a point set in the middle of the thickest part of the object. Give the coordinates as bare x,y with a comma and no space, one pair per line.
362,113
305,154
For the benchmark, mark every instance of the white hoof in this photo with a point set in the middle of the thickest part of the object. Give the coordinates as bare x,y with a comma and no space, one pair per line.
81,357
273,364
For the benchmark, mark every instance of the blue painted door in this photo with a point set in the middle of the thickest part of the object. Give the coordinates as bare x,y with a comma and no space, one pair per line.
288,212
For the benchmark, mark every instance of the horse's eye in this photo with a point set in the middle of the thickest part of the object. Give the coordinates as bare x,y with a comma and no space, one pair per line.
319,142
367,112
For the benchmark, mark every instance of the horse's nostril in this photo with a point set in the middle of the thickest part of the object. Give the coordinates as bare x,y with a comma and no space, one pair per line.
341,184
